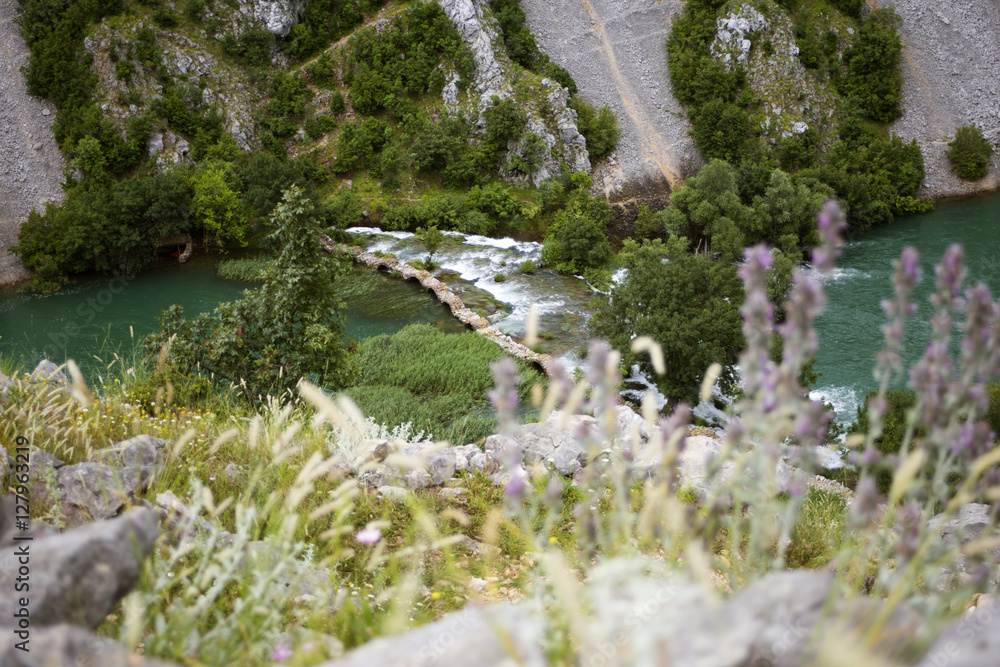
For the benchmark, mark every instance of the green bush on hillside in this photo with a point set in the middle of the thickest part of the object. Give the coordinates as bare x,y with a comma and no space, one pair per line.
599,128
969,153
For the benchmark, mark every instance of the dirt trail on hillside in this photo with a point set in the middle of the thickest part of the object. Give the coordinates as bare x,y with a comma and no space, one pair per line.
951,65
616,52
30,162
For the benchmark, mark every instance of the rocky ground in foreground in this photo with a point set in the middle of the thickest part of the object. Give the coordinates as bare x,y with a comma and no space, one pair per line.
951,65
30,162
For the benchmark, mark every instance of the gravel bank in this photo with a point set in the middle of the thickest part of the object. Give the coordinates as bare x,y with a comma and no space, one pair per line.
30,162
616,52
951,63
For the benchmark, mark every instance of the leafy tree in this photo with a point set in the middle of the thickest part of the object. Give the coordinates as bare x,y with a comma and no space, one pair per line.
217,206
504,123
575,242
969,153
599,128
689,305
291,327
722,130
432,238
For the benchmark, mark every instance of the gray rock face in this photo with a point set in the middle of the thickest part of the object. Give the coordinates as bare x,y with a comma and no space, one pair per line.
79,576
92,491
970,522
155,145
28,178
615,52
48,372
278,16
69,645
468,637
951,70
479,35
140,451
973,641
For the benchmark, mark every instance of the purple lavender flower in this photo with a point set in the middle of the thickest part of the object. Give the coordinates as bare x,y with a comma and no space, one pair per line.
368,536
281,653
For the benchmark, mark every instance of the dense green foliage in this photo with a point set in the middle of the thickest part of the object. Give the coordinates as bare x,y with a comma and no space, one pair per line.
969,153
291,327
873,77
689,305
107,225
598,127
728,212
386,70
576,242
326,21
435,381
874,174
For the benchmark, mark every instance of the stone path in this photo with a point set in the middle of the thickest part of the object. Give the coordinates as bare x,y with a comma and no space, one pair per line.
479,324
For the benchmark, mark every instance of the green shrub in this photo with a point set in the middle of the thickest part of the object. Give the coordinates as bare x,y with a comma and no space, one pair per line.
528,266
722,130
337,103
499,277
689,305
317,126
575,241
599,128
874,78
969,153
899,403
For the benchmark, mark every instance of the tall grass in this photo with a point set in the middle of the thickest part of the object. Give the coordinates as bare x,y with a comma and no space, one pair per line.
245,269
437,382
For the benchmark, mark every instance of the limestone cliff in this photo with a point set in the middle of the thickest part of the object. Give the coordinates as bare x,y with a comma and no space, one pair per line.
951,66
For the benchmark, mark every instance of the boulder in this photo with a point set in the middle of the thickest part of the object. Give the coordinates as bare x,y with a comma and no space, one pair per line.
69,645
495,636
393,493
49,373
92,491
141,451
80,576
968,524
973,641
278,16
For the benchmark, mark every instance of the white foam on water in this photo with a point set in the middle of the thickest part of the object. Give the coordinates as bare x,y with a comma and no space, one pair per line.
379,232
844,400
506,243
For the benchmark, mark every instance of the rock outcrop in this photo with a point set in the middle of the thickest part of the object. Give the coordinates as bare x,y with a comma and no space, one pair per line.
494,71
951,65
79,576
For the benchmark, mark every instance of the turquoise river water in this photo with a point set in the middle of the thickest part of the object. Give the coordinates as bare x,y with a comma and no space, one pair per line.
95,317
